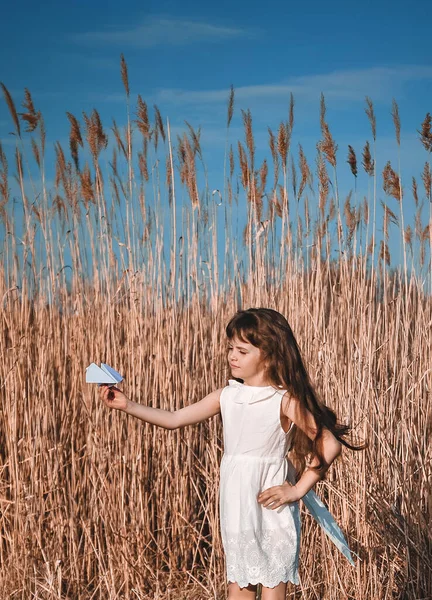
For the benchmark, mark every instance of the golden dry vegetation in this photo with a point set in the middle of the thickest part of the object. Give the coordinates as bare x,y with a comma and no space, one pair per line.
123,263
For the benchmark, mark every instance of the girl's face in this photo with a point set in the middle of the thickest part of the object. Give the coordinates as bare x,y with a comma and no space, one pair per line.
246,362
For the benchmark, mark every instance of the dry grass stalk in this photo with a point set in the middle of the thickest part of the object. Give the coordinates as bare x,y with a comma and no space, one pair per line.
415,191
408,235
75,138
324,181
327,145
396,120
389,217
291,116
96,138
117,135
195,137
368,162
427,180
36,153
391,182
275,157
294,177
244,168
142,120
384,253
230,110
306,175
352,160
350,217
124,74
159,126
31,116
426,133
365,211
12,109
231,162
87,191
250,144
282,144
371,116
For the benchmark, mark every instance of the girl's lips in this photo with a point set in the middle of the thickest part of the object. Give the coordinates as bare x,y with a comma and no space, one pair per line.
233,367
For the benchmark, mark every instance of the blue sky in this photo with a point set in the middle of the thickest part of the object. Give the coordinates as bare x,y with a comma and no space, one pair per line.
184,57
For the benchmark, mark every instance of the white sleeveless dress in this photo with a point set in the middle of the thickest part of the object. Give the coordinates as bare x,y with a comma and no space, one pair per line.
261,545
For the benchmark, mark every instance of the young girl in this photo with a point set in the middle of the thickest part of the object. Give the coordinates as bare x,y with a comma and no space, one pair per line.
268,409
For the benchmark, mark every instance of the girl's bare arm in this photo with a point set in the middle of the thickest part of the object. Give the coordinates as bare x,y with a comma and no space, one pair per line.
330,447
189,415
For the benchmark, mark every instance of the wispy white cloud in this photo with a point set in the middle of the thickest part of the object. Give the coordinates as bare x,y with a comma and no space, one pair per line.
160,30
351,85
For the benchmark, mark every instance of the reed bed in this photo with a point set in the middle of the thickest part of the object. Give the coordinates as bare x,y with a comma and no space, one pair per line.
131,263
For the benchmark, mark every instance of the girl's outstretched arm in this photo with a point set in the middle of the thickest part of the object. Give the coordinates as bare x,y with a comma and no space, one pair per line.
189,415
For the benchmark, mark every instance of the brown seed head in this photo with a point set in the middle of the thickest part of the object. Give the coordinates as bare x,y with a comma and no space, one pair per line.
230,106
272,144
327,145
426,133
124,74
414,191
384,254
396,120
12,109
31,116
75,138
283,144
408,234
142,120
352,160
159,126
391,182
368,162
427,180
371,116
323,179
231,162
365,211
247,122
306,175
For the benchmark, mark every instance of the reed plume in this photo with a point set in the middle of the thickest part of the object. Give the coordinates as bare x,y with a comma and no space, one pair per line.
306,175
124,74
368,162
230,110
75,138
427,180
12,109
371,116
426,133
391,182
415,191
352,160
275,157
159,126
31,116
327,145
396,120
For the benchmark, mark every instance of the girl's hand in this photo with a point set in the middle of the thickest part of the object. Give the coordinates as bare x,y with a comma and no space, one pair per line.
113,397
278,495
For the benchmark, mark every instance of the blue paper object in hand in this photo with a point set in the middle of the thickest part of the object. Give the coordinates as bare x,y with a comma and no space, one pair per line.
324,518
103,375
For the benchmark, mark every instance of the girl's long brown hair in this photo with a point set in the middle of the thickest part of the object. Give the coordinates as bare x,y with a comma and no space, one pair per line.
269,331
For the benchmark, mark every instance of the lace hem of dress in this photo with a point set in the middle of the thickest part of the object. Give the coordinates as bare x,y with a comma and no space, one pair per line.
269,559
